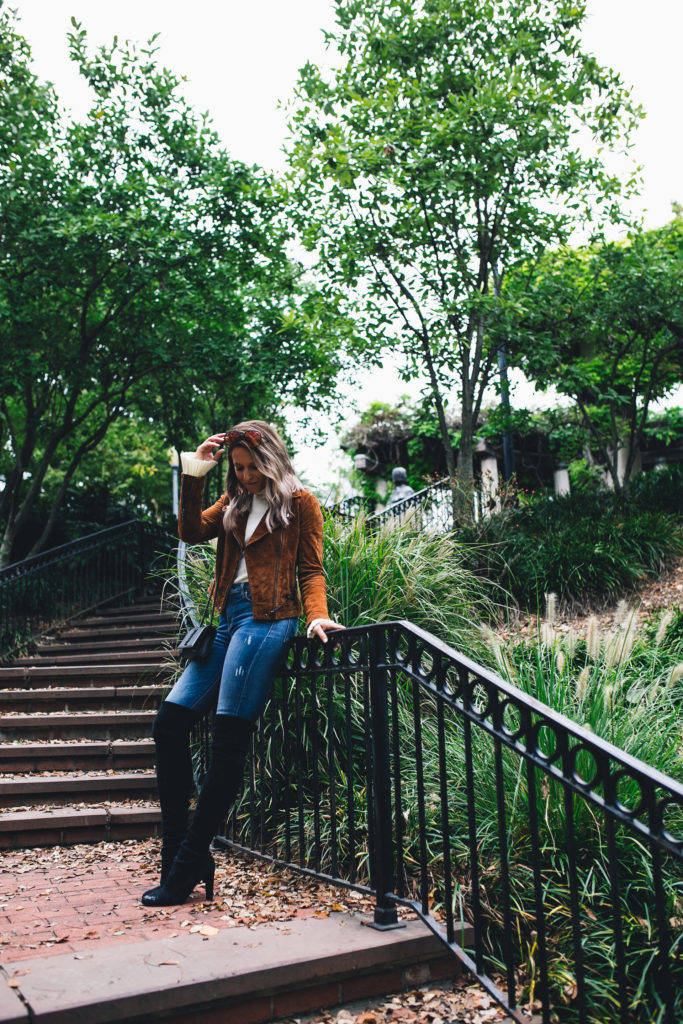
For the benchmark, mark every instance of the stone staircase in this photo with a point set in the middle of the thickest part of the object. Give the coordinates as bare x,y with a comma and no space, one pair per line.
76,754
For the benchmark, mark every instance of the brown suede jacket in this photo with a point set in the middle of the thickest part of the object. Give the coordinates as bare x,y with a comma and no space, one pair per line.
296,549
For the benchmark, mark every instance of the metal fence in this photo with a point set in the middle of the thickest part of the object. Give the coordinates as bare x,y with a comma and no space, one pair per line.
430,509
391,763
54,586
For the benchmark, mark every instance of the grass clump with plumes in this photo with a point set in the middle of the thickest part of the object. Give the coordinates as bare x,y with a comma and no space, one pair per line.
624,682
379,575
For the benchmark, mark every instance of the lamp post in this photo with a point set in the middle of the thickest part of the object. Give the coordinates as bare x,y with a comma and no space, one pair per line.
365,463
174,462
508,449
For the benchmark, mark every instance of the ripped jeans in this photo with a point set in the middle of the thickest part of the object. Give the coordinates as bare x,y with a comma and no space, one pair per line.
244,661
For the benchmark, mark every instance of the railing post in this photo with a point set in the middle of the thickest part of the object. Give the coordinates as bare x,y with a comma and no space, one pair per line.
386,912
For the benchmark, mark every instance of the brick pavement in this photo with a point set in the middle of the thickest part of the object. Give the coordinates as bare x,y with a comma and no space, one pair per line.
67,906
72,904
73,899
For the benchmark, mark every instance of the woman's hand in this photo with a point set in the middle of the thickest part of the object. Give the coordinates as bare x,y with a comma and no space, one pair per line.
206,452
319,626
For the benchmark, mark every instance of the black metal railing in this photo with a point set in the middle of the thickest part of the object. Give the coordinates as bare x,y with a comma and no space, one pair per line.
429,510
52,587
353,505
546,859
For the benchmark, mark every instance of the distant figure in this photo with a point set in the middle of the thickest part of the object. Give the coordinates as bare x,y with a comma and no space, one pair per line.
402,488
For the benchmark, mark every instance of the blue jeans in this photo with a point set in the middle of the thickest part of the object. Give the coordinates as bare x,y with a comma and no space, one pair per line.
244,661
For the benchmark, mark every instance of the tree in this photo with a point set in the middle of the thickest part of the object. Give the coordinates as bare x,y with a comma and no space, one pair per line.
603,324
454,142
139,265
405,434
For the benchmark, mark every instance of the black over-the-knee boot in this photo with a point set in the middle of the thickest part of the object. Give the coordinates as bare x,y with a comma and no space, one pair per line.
175,781
194,863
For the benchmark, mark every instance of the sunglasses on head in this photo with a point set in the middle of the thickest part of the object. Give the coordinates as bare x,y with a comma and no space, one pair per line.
252,437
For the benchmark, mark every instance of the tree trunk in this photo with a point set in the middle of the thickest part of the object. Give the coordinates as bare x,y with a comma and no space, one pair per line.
438,402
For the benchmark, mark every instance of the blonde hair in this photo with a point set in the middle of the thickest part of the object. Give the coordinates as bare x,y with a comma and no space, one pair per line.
271,459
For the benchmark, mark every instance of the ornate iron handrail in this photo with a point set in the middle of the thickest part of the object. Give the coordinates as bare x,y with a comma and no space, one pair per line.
352,505
55,585
430,509
391,763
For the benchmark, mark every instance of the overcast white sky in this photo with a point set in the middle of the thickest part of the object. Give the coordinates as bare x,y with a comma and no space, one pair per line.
241,59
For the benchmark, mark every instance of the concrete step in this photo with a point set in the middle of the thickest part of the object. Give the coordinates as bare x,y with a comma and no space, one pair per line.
243,975
128,673
114,632
99,647
85,703
83,755
66,826
83,698
151,607
23,791
131,619
112,656
93,725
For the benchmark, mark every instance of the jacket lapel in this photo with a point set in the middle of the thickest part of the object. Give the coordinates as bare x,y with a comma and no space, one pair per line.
238,530
259,532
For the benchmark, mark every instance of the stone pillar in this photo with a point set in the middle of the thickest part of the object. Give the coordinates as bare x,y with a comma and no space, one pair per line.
489,485
561,480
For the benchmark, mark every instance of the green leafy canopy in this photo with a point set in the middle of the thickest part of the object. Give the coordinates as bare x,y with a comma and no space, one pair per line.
140,267
454,142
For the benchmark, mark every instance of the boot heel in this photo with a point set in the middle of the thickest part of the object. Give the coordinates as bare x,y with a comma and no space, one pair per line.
209,876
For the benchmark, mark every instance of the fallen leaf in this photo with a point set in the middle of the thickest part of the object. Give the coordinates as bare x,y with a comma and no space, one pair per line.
204,929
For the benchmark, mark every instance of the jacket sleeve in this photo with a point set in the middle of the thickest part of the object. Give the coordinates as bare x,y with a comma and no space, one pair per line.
194,525
310,559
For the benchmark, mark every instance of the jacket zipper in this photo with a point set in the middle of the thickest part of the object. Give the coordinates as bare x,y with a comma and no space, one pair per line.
277,569
277,564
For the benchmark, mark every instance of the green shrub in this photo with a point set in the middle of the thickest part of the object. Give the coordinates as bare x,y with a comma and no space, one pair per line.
584,478
582,547
660,490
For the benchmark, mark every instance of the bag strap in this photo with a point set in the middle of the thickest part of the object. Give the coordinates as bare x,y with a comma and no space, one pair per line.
212,589
208,602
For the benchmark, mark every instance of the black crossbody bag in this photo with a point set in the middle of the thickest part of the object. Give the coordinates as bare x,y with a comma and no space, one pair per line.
197,643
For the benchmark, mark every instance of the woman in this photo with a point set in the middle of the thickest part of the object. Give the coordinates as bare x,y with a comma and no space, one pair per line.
269,532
